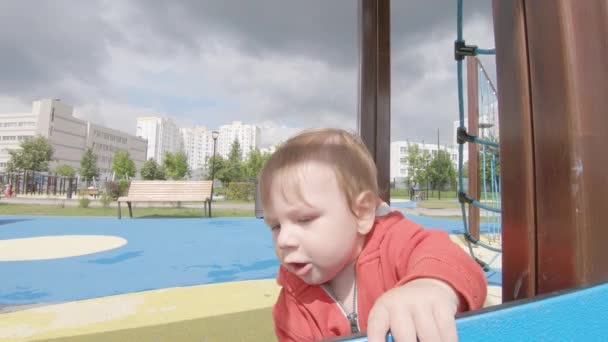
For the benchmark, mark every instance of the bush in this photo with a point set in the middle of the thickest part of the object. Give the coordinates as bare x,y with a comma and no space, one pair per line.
105,200
117,189
241,191
84,202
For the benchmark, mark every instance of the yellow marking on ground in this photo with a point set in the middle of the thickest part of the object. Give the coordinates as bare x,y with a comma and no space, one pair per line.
55,247
135,310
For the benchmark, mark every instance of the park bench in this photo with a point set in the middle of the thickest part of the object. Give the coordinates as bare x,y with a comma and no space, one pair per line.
168,191
94,192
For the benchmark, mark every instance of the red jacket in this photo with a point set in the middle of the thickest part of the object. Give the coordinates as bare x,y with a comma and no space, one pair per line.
396,251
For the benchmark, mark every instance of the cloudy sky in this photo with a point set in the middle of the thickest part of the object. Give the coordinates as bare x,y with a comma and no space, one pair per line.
280,64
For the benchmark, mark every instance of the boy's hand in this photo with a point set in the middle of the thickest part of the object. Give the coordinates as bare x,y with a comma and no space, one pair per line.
423,308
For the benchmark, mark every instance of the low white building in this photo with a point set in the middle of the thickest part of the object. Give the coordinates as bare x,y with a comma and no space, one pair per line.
14,127
69,136
269,150
399,156
105,142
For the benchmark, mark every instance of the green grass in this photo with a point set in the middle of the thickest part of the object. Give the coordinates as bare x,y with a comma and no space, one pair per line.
439,204
405,194
54,210
447,204
233,201
458,218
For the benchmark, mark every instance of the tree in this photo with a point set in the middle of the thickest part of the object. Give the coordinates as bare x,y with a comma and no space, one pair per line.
236,153
150,170
88,165
465,169
441,171
255,163
123,166
35,154
65,170
492,163
416,165
234,169
220,164
175,165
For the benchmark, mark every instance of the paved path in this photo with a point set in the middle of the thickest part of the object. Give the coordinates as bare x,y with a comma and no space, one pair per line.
432,212
96,203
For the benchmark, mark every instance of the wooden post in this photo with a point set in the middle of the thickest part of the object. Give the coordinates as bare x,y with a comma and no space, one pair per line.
374,115
553,81
473,129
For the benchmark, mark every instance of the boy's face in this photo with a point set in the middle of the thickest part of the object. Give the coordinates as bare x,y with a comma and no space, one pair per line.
315,235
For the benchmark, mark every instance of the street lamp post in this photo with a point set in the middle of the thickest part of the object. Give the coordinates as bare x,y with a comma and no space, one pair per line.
214,135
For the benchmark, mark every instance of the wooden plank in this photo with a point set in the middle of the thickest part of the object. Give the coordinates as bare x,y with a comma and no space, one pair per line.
568,51
473,129
374,116
168,191
516,153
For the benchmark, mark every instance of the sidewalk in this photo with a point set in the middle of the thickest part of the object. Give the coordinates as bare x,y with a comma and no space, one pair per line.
97,203
433,212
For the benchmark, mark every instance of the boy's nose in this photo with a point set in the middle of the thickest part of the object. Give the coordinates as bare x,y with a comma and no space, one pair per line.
287,237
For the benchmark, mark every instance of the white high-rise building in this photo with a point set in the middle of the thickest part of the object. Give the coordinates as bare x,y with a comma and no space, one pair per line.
248,137
68,135
198,146
162,134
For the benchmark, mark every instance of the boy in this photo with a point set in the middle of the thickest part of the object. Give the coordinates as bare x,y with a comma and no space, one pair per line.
349,263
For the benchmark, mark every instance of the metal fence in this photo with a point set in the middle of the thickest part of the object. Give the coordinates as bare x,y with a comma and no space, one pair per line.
46,183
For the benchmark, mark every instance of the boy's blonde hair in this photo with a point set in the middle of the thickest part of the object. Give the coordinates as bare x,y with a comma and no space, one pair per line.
344,152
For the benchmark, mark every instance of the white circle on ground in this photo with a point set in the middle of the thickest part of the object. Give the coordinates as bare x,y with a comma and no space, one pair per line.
55,247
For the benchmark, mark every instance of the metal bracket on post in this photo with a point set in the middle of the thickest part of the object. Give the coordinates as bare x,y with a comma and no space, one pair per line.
461,50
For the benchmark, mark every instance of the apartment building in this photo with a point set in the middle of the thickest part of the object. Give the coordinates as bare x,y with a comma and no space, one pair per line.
198,146
162,135
248,136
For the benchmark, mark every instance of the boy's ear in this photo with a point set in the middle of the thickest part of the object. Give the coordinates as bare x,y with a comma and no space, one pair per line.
365,211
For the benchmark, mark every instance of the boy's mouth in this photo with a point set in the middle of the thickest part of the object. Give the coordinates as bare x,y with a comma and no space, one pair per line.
299,268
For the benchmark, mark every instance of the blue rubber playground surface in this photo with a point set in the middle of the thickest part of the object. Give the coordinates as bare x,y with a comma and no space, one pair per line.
160,253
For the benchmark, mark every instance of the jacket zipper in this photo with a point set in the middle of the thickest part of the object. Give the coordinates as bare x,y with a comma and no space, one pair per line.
351,317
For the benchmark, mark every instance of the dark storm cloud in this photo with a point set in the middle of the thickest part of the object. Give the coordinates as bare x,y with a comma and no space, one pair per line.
319,29
46,42
60,48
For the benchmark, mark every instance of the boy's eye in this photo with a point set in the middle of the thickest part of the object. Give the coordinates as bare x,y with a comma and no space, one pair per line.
307,219
275,227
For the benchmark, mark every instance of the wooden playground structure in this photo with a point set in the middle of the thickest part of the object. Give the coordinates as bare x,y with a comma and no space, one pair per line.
552,83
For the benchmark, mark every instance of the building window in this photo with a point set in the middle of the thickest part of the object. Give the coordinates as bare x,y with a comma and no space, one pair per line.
403,160
403,149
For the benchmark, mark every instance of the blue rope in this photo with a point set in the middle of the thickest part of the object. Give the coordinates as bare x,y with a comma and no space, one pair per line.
459,20
485,142
479,51
485,207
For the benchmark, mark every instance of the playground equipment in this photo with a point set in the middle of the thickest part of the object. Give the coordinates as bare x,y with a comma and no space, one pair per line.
552,80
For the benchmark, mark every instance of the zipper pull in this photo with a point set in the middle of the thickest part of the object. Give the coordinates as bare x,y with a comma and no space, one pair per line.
352,318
